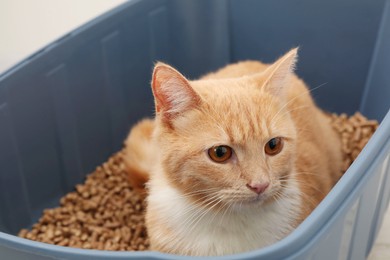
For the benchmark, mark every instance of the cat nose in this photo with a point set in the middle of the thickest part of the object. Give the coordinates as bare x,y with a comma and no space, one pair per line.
258,187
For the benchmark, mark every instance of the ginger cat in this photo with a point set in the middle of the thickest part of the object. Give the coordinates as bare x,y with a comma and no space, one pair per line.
233,161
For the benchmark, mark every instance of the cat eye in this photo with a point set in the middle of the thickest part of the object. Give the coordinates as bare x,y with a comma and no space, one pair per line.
274,146
220,153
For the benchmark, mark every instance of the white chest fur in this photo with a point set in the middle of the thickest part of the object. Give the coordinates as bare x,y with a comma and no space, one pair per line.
196,231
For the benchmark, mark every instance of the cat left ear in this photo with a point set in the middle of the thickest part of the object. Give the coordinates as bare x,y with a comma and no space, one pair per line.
172,92
278,74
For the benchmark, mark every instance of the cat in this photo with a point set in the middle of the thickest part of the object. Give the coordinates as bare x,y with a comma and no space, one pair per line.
233,161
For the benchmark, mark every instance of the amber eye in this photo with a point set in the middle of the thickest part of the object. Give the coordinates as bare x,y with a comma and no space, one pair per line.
220,153
274,146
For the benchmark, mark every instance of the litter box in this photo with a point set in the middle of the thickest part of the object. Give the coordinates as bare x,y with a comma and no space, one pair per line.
68,107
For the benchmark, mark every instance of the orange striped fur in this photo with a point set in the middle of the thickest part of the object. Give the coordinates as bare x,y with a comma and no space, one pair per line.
199,207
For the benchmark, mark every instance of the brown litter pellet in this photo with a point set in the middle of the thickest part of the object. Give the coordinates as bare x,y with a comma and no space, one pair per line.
354,131
105,212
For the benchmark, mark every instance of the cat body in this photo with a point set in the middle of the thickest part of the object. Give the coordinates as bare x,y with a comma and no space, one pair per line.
234,160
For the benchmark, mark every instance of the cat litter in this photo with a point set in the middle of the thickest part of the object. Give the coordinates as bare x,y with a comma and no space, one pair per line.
105,212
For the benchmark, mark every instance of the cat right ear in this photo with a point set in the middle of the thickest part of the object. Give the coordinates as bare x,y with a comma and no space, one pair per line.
173,94
276,76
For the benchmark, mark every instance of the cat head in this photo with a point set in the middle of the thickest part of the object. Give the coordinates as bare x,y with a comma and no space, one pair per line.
226,141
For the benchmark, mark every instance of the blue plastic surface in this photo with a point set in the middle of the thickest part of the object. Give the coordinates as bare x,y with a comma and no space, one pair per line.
67,108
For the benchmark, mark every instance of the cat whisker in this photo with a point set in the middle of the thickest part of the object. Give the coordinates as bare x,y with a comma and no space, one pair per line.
211,205
275,120
312,174
202,202
196,212
309,202
278,198
229,205
194,192
288,177
194,205
199,192
295,178
306,184
224,206
296,128
291,100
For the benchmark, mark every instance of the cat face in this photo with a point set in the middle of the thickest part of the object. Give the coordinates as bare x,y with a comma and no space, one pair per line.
226,142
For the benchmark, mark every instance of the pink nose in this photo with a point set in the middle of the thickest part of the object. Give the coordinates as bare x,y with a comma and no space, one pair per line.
258,187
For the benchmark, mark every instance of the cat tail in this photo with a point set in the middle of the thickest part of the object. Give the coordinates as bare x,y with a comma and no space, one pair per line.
139,154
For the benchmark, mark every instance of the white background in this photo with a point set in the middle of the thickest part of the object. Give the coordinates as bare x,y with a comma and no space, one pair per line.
28,25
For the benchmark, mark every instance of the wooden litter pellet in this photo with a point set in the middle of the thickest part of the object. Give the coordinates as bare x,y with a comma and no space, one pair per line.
354,131
98,214
105,212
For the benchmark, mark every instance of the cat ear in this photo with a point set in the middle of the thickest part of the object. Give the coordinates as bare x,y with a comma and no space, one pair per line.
172,92
278,74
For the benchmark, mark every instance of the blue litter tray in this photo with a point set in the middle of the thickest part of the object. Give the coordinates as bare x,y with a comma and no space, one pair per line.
67,108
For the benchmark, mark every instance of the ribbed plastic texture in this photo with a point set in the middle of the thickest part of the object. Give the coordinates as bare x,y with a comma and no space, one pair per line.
66,109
